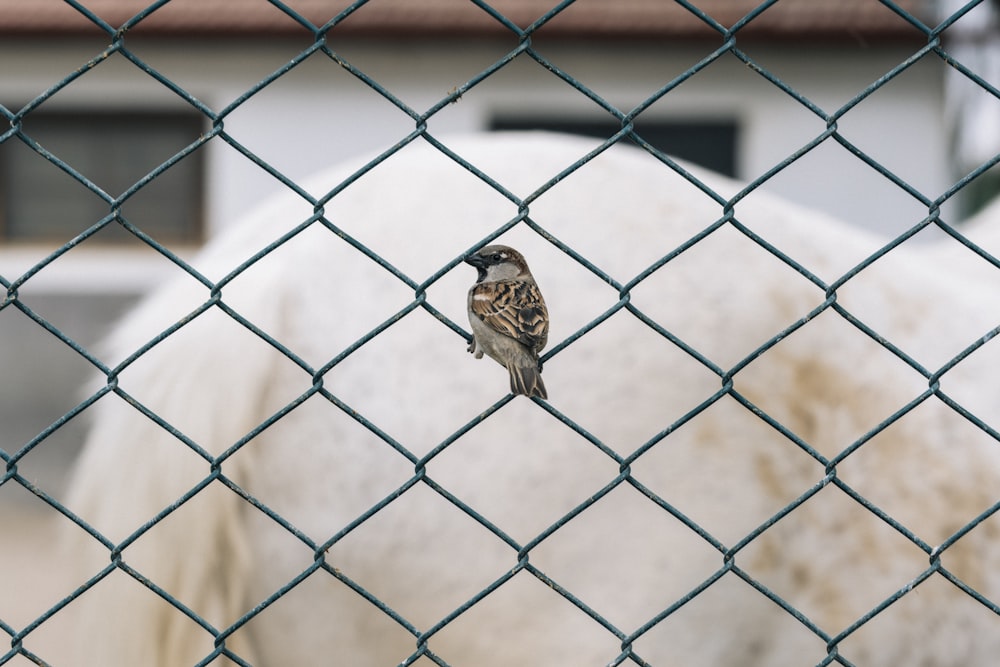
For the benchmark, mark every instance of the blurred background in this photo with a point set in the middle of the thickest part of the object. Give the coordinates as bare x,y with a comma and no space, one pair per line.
115,121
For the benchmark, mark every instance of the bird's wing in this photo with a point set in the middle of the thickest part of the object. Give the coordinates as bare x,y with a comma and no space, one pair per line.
514,308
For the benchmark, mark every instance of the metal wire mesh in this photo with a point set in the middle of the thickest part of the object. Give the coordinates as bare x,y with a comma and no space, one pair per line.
727,46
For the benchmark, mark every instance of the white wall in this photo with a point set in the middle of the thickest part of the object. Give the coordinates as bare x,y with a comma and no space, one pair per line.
318,114
899,125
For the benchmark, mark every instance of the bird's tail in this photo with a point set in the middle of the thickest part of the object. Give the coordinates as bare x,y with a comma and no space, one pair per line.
527,380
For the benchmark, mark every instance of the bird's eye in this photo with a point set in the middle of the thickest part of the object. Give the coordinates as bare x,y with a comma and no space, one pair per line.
496,257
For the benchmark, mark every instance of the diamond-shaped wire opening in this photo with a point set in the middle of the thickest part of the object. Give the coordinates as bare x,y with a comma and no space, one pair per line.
614,582
416,229
727,452
475,466
332,91
722,265
834,405
371,470
810,540
651,383
758,631
967,489
421,576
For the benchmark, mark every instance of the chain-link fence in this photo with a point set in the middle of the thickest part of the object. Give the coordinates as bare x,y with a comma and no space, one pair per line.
291,461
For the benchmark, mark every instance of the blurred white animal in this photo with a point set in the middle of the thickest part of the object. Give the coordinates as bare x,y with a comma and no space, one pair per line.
341,459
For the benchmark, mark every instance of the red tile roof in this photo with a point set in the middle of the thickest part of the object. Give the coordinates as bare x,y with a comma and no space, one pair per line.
648,19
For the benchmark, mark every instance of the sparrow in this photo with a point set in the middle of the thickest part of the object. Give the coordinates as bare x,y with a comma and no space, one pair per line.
508,316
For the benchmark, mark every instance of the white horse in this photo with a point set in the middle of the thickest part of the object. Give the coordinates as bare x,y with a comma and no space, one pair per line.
656,528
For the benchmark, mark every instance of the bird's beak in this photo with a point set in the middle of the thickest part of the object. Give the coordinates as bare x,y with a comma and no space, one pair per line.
480,264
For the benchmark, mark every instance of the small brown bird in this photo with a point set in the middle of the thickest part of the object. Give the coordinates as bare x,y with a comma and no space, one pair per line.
508,316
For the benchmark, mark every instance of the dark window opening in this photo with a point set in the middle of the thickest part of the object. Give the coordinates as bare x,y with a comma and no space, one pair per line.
710,144
40,202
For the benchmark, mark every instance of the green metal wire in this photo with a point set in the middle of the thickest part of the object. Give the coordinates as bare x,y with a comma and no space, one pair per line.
520,552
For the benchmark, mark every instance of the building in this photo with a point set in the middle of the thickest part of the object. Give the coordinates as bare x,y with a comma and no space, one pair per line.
114,94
